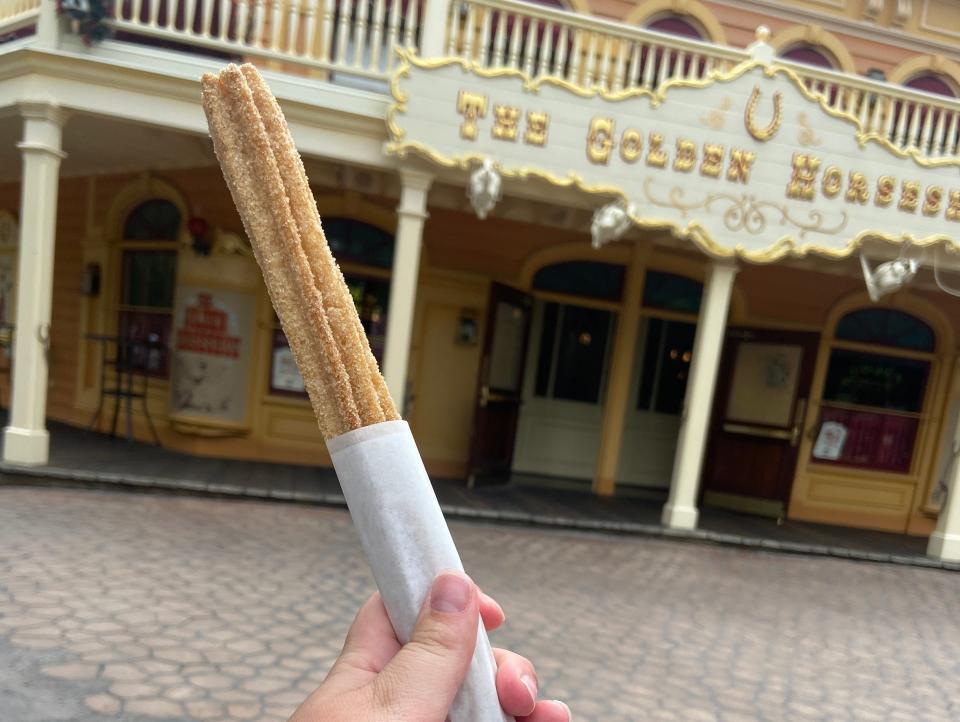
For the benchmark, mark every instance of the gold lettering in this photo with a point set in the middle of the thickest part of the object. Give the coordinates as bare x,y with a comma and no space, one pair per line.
885,187
686,156
712,162
933,200
741,161
471,106
536,128
600,140
909,196
631,145
857,190
505,120
953,207
655,155
832,181
804,174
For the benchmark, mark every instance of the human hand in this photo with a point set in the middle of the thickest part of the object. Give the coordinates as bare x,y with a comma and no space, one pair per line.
376,679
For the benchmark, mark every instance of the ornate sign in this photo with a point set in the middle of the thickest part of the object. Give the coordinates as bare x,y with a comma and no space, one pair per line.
745,162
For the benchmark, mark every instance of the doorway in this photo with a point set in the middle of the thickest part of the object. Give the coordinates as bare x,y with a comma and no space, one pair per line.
757,426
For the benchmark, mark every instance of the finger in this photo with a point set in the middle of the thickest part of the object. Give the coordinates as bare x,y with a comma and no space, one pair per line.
552,711
516,683
371,642
491,612
421,681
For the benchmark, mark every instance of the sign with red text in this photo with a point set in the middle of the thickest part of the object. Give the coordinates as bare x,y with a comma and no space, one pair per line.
211,355
745,162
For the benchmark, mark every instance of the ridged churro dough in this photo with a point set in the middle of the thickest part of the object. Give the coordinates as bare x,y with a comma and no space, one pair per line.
270,189
369,390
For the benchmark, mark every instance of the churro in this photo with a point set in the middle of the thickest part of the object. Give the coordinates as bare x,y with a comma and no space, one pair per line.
270,189
384,482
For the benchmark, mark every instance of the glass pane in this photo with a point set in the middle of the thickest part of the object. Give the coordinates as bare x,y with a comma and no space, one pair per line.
582,278
671,292
548,337
652,350
149,278
582,353
507,348
145,341
882,382
154,220
886,327
674,367
865,439
285,377
358,242
370,296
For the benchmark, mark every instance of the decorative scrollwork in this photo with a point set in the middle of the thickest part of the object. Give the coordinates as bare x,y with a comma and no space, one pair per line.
806,136
715,118
745,212
763,134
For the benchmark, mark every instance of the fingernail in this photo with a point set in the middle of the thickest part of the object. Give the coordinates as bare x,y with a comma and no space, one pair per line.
531,684
564,705
450,593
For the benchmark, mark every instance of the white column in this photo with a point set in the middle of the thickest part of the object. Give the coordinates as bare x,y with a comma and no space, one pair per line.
411,214
433,35
680,511
25,440
944,543
49,25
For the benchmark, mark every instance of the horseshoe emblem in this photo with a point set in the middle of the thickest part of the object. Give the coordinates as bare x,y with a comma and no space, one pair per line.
763,134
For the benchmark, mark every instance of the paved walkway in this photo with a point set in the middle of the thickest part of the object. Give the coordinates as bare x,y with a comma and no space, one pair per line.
147,608
87,458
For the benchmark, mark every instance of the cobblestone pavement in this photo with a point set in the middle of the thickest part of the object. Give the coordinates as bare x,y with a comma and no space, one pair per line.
146,608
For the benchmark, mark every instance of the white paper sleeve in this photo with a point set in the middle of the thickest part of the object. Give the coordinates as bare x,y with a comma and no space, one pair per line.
407,543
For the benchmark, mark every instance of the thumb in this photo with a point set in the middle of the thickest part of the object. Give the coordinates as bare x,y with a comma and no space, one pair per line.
421,681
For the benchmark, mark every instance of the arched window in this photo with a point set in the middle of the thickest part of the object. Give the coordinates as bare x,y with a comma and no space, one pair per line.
148,273
667,341
582,278
575,339
875,389
810,55
364,253
932,83
676,25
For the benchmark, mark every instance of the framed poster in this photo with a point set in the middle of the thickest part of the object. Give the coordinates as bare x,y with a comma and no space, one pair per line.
212,347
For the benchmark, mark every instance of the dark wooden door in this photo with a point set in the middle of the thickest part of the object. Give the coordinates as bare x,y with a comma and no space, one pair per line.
758,417
500,383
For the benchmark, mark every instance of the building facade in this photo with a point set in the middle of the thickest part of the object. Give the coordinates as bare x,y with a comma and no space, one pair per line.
653,363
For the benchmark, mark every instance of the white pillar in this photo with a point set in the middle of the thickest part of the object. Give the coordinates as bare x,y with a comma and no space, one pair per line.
49,25
680,511
411,214
944,543
25,440
433,24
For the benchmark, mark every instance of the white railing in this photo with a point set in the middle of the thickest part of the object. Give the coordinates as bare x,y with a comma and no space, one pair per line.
350,36
910,119
17,14
581,49
597,53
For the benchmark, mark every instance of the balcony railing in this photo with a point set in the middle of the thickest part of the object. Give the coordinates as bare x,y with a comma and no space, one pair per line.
350,36
335,40
16,16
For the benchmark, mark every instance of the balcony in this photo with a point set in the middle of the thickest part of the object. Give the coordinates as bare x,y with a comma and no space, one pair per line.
351,42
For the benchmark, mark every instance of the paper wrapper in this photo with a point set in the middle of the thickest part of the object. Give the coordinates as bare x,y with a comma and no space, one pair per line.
407,543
